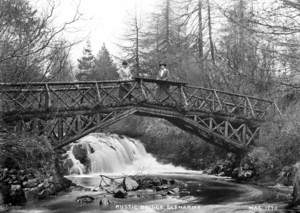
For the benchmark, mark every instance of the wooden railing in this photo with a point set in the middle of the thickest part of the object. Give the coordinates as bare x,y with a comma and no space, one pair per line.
56,97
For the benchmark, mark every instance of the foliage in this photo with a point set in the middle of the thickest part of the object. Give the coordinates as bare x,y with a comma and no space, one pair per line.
97,68
28,42
105,69
280,136
24,152
86,63
183,150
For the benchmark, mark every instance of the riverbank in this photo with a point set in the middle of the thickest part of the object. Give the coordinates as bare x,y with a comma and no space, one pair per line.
30,170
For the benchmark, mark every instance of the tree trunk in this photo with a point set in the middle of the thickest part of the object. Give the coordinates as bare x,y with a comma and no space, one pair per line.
137,55
211,44
200,36
167,17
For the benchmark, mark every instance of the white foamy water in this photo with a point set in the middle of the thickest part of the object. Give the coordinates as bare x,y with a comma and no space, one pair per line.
113,154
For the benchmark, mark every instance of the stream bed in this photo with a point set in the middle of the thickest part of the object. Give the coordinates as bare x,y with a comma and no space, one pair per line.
205,194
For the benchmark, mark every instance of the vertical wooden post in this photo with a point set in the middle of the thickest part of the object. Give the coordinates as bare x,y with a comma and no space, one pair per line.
142,90
60,129
210,123
19,127
183,99
47,97
251,108
226,129
245,107
244,134
98,92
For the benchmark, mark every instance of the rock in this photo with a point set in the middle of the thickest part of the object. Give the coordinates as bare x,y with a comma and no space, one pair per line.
185,193
13,171
235,173
129,184
41,186
1,198
221,174
172,182
5,192
163,193
164,181
46,183
162,187
51,189
31,193
80,152
105,202
209,171
148,191
158,196
68,164
286,176
120,193
31,183
85,199
21,172
96,189
17,195
173,191
156,182
43,194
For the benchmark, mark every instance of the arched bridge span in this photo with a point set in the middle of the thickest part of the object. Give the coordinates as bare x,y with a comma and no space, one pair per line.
67,111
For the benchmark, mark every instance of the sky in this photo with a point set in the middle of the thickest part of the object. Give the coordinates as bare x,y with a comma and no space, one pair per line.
101,21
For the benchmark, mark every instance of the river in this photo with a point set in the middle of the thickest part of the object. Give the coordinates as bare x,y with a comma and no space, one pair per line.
118,156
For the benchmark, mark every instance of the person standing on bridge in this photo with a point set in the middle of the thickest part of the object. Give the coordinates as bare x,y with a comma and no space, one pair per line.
163,87
125,75
163,73
125,72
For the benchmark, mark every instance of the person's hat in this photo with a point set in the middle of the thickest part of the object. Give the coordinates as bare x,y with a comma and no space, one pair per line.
162,64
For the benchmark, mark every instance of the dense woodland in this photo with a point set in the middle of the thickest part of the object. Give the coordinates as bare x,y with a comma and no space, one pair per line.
250,47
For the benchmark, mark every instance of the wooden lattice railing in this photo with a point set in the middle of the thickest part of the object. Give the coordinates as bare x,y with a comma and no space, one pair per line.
233,117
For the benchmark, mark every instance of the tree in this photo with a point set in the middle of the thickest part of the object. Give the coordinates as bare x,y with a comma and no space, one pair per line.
60,66
166,41
86,64
133,42
26,41
104,69
242,51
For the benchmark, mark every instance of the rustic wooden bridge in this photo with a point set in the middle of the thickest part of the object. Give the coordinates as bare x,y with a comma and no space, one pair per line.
65,112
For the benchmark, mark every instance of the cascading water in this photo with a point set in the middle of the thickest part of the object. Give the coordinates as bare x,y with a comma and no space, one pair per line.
110,153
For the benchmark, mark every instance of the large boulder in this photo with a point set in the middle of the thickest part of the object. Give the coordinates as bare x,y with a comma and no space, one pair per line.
286,176
105,201
17,195
85,199
5,193
120,193
80,152
129,184
1,198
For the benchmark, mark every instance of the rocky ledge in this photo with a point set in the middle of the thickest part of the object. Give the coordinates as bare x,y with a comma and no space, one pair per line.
20,186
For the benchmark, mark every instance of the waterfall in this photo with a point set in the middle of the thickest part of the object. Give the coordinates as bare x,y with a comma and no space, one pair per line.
113,154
